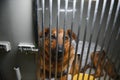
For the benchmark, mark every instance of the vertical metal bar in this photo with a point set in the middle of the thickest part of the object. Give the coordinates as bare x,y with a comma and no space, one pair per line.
89,8
88,16
109,15
95,14
65,19
108,48
77,47
76,51
113,49
35,21
50,25
58,16
37,3
118,34
116,40
113,27
117,57
104,36
79,27
107,24
93,23
81,11
116,61
116,14
73,16
99,30
101,19
84,38
43,39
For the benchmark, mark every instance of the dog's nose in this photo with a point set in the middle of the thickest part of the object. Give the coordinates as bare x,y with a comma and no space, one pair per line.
60,48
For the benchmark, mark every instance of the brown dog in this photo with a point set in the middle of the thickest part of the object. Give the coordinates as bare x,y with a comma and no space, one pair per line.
54,38
108,66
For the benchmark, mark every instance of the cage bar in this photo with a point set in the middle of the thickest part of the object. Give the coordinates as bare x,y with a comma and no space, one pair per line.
118,34
92,29
116,59
64,28
50,25
99,27
88,16
43,39
113,27
57,27
73,16
105,33
87,22
79,27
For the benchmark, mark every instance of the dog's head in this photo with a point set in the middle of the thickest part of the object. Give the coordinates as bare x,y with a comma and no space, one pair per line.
58,40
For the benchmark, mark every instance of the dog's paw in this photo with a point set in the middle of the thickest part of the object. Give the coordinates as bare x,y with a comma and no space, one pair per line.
97,75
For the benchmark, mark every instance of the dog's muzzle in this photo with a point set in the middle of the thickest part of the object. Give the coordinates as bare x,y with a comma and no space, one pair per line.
60,52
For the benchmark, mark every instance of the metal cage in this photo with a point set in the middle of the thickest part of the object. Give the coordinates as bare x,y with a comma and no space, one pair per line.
96,23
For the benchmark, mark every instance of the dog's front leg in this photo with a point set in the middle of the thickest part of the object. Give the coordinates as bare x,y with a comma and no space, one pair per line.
39,73
98,73
85,68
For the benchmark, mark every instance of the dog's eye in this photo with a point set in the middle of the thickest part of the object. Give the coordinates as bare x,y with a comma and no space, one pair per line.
66,37
53,37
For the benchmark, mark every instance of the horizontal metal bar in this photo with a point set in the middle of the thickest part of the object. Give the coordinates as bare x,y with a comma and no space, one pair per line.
40,9
68,10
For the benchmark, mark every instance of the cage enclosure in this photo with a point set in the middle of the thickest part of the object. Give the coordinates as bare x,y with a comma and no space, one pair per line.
78,39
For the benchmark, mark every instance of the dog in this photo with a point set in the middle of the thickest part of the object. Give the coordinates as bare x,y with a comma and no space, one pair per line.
108,67
105,63
61,51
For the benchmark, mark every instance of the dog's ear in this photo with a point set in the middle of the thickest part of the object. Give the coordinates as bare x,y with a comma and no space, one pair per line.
72,34
103,54
46,32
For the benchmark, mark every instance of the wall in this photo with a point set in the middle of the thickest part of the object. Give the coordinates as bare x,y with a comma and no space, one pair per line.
16,26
